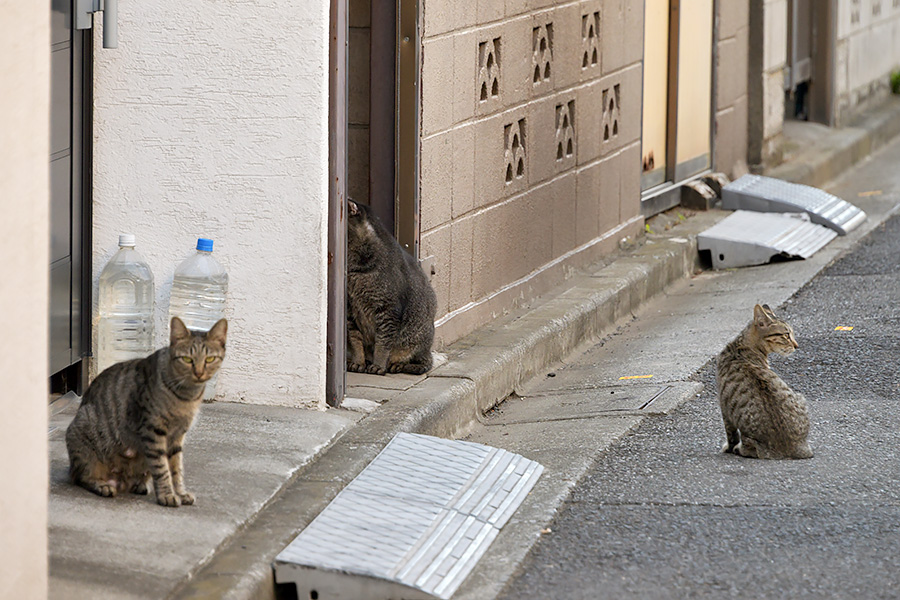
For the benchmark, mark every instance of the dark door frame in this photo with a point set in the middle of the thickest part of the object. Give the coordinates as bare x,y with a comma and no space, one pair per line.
336,326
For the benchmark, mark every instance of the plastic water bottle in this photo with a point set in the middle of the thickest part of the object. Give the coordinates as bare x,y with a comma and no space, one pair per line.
198,295
125,330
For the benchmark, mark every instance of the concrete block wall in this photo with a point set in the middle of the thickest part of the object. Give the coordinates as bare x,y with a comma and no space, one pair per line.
768,59
867,50
732,96
530,146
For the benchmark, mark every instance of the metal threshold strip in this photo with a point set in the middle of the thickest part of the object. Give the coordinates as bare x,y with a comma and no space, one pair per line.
412,525
746,238
767,194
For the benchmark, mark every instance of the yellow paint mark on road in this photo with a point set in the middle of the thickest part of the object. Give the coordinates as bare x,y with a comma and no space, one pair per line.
635,377
843,328
869,193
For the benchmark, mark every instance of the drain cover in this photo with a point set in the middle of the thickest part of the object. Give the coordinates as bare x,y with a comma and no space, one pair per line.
743,239
413,524
767,194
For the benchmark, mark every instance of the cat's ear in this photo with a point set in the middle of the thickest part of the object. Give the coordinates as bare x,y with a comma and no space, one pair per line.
218,332
178,331
761,316
352,208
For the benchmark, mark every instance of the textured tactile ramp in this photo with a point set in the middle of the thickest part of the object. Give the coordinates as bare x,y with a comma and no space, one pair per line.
413,524
767,194
744,238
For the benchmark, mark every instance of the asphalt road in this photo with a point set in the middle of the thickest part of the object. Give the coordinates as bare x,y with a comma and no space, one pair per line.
663,514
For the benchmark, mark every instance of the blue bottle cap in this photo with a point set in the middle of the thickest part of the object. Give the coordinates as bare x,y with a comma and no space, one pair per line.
204,245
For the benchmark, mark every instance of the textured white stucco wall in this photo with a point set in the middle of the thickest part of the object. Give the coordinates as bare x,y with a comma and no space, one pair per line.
211,120
24,269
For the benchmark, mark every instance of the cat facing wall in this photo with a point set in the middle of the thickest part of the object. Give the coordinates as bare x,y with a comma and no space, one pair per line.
133,418
390,302
763,416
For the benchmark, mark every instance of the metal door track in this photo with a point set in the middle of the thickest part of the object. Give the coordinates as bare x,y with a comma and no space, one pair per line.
412,525
744,238
767,194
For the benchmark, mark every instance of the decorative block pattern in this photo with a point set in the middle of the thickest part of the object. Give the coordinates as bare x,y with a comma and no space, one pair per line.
514,142
541,53
590,40
610,119
855,11
488,83
565,134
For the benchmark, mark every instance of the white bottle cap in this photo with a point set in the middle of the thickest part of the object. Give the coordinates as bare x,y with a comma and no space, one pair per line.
126,240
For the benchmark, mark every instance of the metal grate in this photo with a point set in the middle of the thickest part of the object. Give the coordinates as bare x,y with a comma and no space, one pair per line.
767,194
748,238
414,522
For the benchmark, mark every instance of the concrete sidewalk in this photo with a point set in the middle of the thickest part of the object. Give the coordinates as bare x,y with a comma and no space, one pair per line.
261,474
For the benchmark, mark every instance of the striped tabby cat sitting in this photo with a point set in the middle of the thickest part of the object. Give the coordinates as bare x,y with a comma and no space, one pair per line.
133,418
764,418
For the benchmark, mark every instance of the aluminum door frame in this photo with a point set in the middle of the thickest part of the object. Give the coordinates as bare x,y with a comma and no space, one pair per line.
65,364
666,195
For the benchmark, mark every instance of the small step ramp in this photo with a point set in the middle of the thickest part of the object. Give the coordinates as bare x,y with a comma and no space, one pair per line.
767,194
412,525
745,238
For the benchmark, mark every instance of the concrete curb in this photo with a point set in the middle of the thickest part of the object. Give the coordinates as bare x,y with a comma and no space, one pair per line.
488,365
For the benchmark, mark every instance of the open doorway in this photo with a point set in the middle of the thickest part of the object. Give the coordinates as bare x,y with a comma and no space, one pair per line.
374,154
808,77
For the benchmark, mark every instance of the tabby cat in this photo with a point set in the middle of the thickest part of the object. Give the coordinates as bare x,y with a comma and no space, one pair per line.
764,418
133,418
390,302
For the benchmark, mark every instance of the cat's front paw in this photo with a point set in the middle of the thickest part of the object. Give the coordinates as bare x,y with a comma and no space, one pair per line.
169,499
107,490
140,488
375,370
727,448
356,367
187,498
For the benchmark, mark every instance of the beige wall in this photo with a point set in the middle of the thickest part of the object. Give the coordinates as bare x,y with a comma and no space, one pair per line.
24,243
768,56
731,88
508,204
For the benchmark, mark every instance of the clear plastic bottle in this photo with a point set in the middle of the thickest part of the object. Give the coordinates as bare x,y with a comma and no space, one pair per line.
125,330
198,294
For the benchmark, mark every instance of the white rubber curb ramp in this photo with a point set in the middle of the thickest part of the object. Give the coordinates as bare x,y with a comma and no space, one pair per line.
767,194
412,525
744,238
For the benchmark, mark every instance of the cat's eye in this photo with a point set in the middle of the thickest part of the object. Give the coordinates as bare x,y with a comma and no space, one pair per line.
209,359
187,359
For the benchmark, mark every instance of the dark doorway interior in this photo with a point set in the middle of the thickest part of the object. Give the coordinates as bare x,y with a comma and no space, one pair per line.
372,106
808,80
